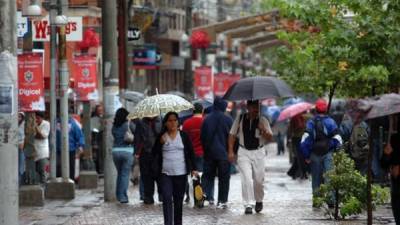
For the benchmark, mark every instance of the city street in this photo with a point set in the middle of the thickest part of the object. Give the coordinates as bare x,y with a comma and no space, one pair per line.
287,201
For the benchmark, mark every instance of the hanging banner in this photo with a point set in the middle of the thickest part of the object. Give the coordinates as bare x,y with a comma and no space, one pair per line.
30,82
203,82
222,81
84,72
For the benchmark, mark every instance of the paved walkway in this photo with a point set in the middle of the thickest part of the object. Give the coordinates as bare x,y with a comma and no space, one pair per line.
287,201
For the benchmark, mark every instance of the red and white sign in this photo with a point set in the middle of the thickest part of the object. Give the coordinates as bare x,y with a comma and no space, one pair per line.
203,82
30,82
222,82
41,29
85,78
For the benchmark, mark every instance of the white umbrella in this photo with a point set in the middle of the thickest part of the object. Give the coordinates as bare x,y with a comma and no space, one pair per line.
159,104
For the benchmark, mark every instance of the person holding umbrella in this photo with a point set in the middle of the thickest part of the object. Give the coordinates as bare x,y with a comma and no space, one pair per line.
253,132
174,159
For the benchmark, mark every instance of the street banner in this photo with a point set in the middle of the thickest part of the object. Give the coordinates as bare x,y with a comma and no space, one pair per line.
222,81
41,29
84,72
203,82
30,82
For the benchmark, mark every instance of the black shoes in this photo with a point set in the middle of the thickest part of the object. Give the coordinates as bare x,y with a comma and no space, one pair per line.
259,207
248,210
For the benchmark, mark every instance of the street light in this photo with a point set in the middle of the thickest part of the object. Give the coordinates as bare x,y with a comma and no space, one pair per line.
33,9
184,46
221,46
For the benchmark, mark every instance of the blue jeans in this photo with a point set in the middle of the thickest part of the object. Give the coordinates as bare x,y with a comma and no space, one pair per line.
319,166
21,165
173,191
210,171
123,162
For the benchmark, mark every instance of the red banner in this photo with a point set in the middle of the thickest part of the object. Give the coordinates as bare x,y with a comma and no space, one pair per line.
222,81
203,82
84,72
30,82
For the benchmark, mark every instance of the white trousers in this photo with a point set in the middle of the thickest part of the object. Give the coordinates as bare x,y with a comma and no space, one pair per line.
251,165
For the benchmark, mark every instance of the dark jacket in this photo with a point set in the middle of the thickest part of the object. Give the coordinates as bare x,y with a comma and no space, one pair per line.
156,166
394,158
215,132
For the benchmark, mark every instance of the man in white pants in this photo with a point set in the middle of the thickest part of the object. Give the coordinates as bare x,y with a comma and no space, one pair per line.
253,132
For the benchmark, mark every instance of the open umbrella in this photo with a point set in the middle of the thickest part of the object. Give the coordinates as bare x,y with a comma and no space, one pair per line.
255,88
294,110
374,107
159,104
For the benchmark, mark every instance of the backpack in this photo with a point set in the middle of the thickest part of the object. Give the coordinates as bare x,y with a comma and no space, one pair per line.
359,142
321,139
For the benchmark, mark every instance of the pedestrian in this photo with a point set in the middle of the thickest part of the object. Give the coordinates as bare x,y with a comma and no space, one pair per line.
146,134
21,142
391,160
296,129
41,144
214,138
192,127
97,135
253,132
174,159
76,142
122,152
318,142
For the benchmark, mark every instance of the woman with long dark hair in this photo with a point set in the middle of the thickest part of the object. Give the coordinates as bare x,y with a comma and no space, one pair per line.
122,153
173,160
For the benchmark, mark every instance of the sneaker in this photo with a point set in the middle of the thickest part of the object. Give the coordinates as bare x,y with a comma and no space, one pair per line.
208,202
222,205
259,207
248,210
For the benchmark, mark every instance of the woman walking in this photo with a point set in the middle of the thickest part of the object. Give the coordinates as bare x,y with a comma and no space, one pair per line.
122,152
174,159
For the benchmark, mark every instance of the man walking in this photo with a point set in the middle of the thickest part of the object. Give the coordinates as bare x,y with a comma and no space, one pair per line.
214,138
41,144
253,132
318,142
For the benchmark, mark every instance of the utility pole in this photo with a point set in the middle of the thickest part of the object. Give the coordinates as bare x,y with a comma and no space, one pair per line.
188,78
53,96
110,90
8,115
220,11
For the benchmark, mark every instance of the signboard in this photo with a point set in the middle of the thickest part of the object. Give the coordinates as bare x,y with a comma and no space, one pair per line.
203,82
41,29
133,34
85,78
145,57
30,82
223,81
22,25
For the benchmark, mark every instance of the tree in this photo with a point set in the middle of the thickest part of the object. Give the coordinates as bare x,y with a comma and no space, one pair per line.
331,53
347,187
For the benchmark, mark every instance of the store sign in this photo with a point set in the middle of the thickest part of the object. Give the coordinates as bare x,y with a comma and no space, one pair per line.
203,82
30,82
85,78
22,25
41,29
145,57
133,34
223,81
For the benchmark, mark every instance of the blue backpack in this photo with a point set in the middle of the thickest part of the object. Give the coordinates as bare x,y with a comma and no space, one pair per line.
321,138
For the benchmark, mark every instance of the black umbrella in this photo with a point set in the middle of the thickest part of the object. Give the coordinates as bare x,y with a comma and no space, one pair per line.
255,88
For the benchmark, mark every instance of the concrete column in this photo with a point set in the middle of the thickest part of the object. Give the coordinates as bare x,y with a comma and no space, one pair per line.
110,91
8,115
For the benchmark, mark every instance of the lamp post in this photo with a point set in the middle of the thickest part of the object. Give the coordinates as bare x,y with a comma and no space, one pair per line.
236,55
247,61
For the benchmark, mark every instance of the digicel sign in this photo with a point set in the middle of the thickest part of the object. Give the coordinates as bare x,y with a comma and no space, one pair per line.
41,29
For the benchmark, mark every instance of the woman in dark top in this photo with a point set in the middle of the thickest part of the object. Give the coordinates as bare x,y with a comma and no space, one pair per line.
391,160
122,153
173,160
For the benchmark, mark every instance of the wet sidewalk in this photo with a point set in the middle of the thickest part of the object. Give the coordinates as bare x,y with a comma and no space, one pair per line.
287,201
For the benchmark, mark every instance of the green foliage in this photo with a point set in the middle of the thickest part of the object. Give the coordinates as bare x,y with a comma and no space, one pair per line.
348,187
329,51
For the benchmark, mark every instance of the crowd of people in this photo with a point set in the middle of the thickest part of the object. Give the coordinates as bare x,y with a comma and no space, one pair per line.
209,144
